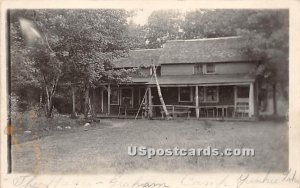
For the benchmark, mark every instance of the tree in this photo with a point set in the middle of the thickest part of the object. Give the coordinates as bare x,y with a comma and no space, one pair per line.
265,30
78,46
268,36
136,36
159,93
163,25
28,70
214,23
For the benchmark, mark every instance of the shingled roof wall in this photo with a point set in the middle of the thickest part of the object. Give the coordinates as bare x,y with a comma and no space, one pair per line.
136,58
225,49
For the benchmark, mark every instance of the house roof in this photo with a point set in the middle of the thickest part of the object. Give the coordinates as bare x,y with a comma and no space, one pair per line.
136,58
225,49
197,79
208,50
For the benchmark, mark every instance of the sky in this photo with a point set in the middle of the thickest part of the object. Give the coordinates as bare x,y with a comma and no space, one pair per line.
142,16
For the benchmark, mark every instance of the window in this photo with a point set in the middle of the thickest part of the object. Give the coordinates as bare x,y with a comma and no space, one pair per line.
185,94
114,96
201,94
198,69
243,92
210,68
208,94
204,68
211,94
127,96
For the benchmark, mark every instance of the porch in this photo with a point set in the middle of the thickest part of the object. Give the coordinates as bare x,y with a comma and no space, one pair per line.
204,101
230,101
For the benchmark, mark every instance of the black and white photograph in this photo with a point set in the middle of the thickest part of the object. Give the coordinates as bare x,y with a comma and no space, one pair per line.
95,91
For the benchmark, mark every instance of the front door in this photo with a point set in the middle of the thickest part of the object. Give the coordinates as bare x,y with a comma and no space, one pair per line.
127,97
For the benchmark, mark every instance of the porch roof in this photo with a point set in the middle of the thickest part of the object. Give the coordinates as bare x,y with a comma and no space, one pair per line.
197,79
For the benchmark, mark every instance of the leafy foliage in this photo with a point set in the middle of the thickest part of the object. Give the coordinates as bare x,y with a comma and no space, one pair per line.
163,25
214,23
77,46
267,32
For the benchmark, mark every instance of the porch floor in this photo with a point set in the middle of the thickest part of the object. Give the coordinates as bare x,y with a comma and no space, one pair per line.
113,116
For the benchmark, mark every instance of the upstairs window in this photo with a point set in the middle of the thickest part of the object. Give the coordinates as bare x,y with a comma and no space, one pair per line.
198,69
185,94
210,68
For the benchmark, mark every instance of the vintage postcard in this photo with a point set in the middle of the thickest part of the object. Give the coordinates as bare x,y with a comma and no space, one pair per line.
150,94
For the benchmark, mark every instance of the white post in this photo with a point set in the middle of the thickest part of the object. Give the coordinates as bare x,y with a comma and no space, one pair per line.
150,103
251,100
197,101
102,106
108,99
235,96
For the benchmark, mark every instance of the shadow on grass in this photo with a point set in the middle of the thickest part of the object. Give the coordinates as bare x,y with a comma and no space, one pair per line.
28,127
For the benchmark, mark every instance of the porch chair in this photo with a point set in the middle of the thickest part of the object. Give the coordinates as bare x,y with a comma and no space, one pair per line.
242,108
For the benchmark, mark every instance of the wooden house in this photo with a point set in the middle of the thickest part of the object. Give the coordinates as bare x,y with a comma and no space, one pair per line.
201,78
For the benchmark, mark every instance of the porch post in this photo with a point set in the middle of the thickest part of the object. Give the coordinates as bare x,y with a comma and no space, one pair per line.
73,101
108,99
102,106
235,96
197,101
150,102
251,100
256,111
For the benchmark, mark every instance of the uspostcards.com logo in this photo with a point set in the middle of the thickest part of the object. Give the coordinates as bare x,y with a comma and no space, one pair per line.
176,151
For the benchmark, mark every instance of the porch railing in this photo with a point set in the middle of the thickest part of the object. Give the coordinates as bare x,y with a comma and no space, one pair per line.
213,111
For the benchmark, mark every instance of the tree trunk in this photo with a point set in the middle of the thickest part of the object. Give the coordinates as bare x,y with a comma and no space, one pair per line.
41,105
92,104
73,100
86,102
274,99
81,102
49,105
48,114
159,94
41,99
73,115
49,96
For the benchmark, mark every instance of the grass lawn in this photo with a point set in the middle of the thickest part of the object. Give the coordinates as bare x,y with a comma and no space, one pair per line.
103,148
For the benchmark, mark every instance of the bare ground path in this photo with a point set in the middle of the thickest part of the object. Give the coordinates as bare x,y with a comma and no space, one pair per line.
105,149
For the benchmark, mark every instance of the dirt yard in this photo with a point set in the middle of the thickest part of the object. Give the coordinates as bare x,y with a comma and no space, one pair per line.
102,147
